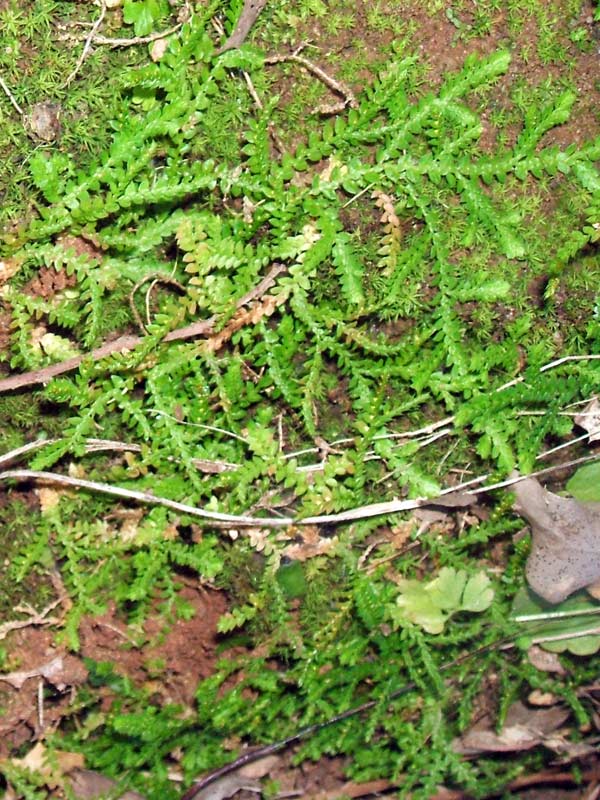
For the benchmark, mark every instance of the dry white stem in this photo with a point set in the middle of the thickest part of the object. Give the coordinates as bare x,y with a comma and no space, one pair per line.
155,278
514,382
564,360
213,428
94,38
434,426
562,446
88,44
218,26
14,455
142,497
100,445
544,616
361,512
546,367
370,455
559,637
511,481
116,630
252,90
577,403
356,196
40,704
220,519
11,97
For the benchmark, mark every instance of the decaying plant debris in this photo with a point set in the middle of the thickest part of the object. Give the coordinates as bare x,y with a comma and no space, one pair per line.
565,554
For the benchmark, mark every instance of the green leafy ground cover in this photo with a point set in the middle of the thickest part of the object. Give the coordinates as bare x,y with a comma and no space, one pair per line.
433,252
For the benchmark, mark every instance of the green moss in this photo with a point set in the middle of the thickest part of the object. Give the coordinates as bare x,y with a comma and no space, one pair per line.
35,63
35,589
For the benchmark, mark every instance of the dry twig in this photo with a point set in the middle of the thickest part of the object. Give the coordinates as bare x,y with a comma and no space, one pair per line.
11,97
130,41
246,20
218,519
215,517
203,327
100,445
95,38
349,99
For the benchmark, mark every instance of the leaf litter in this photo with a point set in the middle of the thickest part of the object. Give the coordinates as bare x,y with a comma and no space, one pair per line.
565,553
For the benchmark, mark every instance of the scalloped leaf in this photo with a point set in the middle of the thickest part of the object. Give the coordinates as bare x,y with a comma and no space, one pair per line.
430,605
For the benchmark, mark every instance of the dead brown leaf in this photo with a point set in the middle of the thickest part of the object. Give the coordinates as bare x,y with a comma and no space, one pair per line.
8,268
54,770
589,420
524,728
397,536
544,660
311,545
565,554
539,698
61,672
34,759
43,121
247,777
88,785
27,713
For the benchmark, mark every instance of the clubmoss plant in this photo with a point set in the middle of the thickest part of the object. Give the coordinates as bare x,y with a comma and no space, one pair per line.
398,250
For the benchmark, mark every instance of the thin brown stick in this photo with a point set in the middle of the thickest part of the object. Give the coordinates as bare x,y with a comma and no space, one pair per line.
336,86
129,41
125,343
120,345
246,20
565,359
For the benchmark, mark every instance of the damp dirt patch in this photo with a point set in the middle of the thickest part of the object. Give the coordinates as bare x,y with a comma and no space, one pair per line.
175,654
